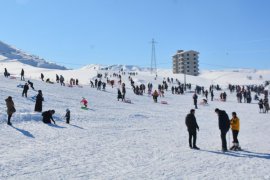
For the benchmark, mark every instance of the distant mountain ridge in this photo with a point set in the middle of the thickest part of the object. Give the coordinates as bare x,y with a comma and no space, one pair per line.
8,52
115,67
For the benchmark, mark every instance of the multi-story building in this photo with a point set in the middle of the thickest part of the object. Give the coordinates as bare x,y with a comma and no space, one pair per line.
186,62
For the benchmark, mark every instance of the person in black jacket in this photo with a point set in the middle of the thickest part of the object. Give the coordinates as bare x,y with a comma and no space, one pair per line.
195,99
192,127
67,116
119,95
42,76
47,116
39,99
25,89
22,75
31,84
224,126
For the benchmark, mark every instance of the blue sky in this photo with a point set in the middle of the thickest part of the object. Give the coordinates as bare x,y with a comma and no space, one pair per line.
227,33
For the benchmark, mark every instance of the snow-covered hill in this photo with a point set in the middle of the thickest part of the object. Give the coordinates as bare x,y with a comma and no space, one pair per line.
9,53
116,140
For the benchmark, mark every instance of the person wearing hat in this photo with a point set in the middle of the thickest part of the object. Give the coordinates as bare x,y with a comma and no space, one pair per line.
224,126
235,126
192,127
47,116
67,116
39,99
10,108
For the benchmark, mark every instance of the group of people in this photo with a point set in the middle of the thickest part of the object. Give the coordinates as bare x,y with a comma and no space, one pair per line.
224,125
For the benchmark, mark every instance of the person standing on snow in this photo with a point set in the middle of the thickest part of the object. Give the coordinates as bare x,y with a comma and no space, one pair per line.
67,116
31,84
42,76
195,99
235,126
192,127
119,95
155,96
39,99
25,89
224,126
22,75
10,108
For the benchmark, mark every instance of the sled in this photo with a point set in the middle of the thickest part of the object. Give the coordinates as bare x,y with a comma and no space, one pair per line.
85,108
163,102
127,101
20,86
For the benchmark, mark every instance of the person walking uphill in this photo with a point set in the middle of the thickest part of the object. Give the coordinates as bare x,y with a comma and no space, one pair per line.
195,99
25,89
235,126
39,99
10,108
155,96
224,126
192,127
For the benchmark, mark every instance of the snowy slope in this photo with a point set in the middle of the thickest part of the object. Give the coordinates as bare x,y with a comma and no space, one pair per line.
115,140
8,53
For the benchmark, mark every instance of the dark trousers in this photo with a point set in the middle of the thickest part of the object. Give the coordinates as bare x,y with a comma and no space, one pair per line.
223,139
192,134
24,94
9,117
235,134
67,120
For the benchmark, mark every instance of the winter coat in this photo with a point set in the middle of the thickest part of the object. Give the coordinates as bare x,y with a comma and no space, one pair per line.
223,121
67,115
235,124
191,123
25,88
47,117
10,106
119,95
39,99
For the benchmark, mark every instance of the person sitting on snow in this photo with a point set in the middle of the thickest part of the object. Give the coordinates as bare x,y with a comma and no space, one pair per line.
84,102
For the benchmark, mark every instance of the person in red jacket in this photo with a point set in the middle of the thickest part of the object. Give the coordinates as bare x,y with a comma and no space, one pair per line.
84,102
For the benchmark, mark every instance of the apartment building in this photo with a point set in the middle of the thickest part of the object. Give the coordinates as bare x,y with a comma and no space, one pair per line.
186,62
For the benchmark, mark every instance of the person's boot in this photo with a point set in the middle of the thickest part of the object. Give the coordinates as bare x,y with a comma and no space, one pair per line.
195,147
232,148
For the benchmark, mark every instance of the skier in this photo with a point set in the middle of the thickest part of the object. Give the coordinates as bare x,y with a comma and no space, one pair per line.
224,126
192,127
47,116
22,75
67,116
195,98
25,89
39,99
155,96
31,84
10,108
84,102
235,126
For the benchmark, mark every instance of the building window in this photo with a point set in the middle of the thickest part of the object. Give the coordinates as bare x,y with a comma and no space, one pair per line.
194,66
187,58
194,54
194,58
187,66
187,70
187,54
187,62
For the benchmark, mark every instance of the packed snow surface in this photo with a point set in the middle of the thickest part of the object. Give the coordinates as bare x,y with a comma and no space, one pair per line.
116,140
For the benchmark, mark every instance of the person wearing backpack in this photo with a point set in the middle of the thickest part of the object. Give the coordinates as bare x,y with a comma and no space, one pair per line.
224,126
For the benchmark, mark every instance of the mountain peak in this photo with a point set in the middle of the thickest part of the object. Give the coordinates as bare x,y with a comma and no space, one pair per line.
8,52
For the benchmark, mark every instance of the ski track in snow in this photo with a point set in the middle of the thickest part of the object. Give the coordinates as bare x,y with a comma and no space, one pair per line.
117,140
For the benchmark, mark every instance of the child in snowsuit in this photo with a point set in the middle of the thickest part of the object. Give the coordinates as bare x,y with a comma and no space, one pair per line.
155,96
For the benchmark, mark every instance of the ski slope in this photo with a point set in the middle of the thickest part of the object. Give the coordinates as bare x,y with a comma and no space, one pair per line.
116,140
